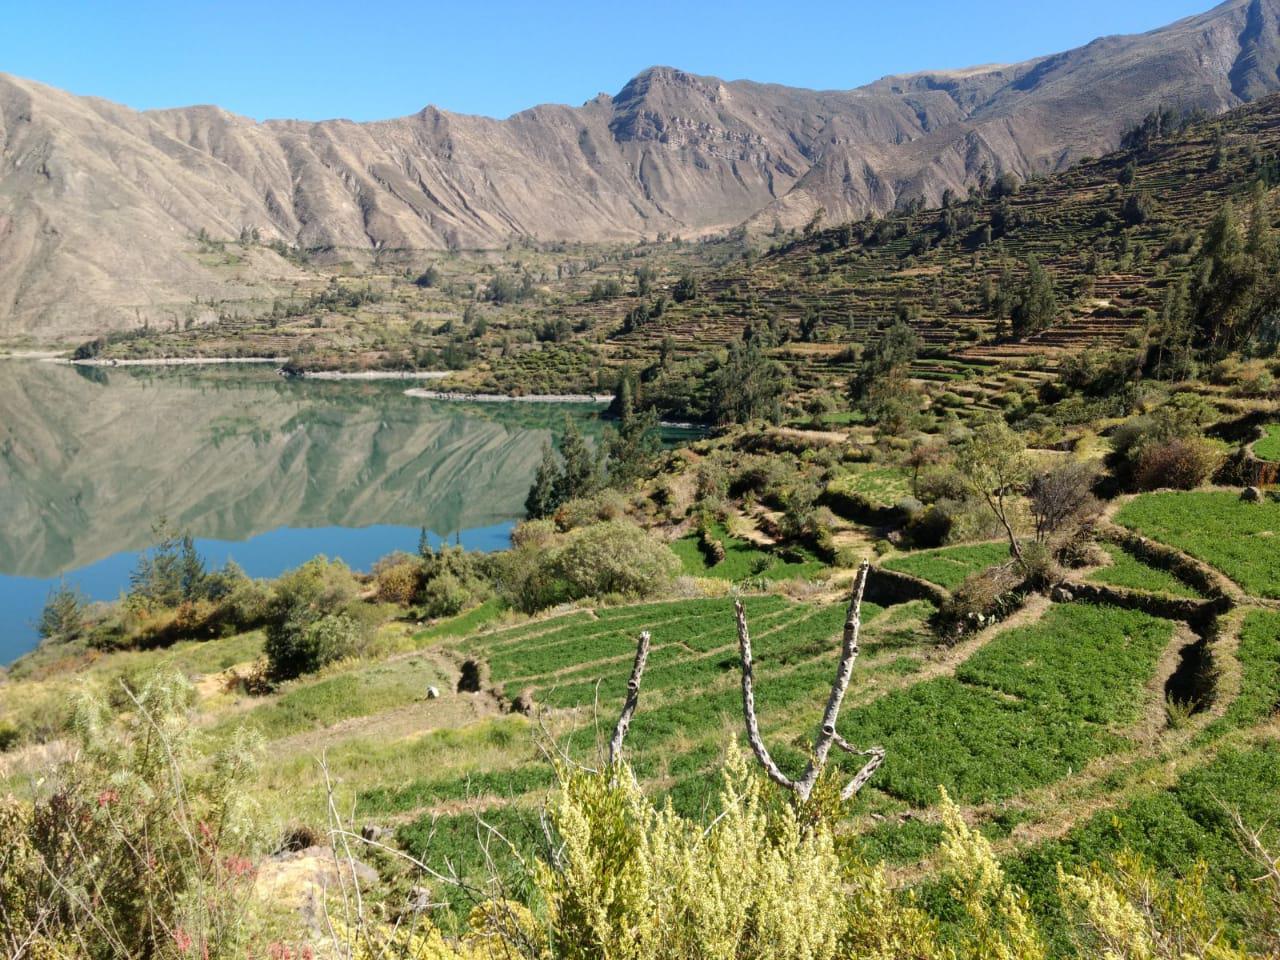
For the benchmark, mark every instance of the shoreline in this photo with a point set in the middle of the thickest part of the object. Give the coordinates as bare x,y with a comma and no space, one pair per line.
596,398
161,361
371,374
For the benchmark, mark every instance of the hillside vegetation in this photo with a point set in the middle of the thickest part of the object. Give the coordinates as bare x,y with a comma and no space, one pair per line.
984,504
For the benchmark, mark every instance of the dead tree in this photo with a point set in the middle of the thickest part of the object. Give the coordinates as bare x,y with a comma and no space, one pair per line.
827,735
633,698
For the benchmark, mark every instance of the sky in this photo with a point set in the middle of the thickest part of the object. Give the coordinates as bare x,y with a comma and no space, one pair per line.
365,61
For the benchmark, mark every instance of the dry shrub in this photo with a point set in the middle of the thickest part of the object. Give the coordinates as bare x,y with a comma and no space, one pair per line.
1182,463
398,581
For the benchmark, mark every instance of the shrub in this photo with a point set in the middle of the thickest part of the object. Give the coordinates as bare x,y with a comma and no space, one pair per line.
981,599
398,579
133,849
616,557
1181,463
445,595
317,591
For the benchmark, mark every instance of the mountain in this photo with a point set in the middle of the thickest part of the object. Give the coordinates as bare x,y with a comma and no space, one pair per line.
101,206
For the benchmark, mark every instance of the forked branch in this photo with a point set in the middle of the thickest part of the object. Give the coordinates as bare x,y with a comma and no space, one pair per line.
633,697
826,735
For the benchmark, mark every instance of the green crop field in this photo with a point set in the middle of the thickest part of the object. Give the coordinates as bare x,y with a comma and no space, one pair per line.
1268,448
742,560
1240,539
1128,571
1259,655
948,566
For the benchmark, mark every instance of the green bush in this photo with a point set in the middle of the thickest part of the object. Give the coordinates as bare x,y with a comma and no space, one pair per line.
311,618
615,557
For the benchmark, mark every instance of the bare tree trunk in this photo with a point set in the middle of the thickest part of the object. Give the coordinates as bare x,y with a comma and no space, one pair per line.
633,698
827,734
749,704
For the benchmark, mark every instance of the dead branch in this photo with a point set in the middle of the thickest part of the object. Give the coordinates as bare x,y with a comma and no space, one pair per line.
749,704
826,734
633,697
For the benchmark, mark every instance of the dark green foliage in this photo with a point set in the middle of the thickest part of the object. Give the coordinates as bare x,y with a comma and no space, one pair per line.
885,360
63,614
169,573
1236,281
633,447
579,469
685,289
507,288
309,620
1035,305
747,385
542,499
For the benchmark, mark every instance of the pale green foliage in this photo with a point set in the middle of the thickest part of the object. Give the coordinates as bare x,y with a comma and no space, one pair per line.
1129,913
311,618
616,557
633,881
1000,925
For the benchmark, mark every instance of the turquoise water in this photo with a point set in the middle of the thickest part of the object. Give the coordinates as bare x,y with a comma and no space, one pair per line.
259,469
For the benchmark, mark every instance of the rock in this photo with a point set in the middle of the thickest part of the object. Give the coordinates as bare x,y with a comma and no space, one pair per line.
524,702
433,693
420,899
1251,495
1061,594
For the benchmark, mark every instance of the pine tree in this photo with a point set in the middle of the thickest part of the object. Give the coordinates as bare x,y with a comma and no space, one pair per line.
579,474
1036,305
541,501
63,614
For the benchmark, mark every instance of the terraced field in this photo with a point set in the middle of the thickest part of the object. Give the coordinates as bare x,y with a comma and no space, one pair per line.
1268,448
1240,539
1126,570
948,566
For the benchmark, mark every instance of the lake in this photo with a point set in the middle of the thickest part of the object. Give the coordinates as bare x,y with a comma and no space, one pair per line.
256,467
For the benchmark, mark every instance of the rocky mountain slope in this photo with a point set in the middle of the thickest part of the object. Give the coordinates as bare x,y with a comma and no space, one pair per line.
101,206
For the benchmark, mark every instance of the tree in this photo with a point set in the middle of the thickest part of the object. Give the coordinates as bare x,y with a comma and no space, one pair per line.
541,501
686,288
747,385
1061,495
924,453
886,359
63,614
171,572
1175,355
428,277
993,464
1235,285
1137,208
633,447
580,472
1035,306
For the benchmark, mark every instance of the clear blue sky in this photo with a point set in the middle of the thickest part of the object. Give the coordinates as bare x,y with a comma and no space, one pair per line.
369,60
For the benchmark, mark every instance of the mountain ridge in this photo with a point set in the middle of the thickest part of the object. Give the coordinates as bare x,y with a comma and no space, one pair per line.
100,205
